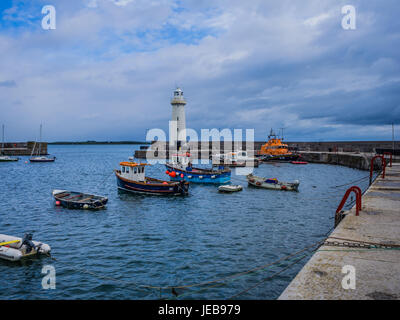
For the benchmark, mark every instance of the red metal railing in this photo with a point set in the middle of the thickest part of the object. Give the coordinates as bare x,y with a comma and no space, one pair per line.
371,169
390,159
358,193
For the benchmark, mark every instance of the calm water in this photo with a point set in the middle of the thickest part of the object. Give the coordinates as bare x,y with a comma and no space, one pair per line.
160,241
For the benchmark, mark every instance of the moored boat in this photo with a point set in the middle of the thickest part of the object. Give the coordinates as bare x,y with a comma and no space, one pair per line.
39,157
4,158
276,150
8,159
79,200
14,248
299,162
272,183
131,178
42,159
229,188
181,169
235,159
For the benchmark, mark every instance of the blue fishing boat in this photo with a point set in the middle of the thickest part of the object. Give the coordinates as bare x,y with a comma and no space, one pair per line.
131,178
181,169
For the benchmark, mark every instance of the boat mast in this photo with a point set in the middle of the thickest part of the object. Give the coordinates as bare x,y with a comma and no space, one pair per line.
40,140
2,144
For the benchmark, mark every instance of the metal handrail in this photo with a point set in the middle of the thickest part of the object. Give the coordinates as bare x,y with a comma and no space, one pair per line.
390,159
358,193
371,169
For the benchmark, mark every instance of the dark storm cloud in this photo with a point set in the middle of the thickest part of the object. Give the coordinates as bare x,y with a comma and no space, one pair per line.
108,70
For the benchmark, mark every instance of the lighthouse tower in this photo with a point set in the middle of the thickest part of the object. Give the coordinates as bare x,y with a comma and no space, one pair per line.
178,114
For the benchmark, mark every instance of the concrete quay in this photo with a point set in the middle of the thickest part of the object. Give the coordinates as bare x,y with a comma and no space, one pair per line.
377,271
361,161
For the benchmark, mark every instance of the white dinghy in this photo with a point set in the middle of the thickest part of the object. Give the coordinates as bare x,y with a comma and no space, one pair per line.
14,248
230,188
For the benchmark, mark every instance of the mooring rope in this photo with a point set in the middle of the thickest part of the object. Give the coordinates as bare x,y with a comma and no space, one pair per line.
105,179
268,278
351,182
217,282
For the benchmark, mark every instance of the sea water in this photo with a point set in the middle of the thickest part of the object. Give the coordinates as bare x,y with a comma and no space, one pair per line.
140,241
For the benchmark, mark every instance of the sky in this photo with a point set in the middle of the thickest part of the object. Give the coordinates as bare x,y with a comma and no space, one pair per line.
108,70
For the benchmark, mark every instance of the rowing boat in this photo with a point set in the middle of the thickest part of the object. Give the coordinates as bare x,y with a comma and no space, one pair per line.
272,184
79,200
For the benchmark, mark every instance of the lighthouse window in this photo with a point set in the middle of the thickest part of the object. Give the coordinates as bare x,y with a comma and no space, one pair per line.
177,118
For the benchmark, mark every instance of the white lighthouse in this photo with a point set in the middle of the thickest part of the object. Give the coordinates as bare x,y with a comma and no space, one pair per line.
178,114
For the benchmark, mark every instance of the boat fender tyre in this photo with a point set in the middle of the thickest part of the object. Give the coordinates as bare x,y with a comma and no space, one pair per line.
252,180
284,188
258,183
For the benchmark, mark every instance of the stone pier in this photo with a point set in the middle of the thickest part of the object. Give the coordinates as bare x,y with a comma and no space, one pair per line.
377,271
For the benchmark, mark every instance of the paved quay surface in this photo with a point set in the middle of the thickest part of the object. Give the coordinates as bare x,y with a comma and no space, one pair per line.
377,271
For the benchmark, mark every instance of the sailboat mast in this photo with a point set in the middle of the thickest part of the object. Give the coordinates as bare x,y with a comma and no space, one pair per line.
2,143
40,140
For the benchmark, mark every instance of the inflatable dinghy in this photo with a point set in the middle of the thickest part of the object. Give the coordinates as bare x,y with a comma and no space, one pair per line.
14,248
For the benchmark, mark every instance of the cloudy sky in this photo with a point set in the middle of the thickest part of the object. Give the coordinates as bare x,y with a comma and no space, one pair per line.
108,70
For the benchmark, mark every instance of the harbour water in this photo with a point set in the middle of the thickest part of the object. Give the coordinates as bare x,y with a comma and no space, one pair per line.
160,241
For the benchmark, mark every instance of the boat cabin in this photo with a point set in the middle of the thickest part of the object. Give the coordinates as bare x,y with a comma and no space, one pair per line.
181,159
274,146
133,171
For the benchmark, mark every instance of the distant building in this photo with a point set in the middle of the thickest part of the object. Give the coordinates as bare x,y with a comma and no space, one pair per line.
178,114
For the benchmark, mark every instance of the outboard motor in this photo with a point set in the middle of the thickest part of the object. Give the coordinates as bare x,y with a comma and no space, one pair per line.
27,241
183,187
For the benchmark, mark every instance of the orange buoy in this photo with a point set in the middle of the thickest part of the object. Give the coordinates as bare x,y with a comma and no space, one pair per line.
58,203
182,175
165,182
167,172
172,174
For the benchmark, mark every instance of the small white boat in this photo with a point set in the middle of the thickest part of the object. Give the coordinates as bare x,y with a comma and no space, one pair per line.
39,157
14,248
4,158
42,159
235,159
8,159
273,183
230,188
